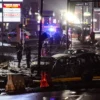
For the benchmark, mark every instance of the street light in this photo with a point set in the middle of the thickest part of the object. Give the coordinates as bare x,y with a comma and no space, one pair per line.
38,18
69,18
30,12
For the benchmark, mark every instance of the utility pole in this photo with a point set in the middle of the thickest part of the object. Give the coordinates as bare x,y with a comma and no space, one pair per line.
2,31
82,38
92,14
67,26
40,40
92,18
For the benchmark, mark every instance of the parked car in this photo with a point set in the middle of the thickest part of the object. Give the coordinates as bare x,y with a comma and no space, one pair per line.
56,56
45,64
75,51
84,65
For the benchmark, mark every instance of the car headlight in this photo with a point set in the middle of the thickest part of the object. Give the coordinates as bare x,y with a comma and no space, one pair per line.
34,63
87,38
42,63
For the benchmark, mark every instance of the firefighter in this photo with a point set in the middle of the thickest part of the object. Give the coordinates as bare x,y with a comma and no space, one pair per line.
19,53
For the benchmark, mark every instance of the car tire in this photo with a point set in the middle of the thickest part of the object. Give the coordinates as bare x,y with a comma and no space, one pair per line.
87,76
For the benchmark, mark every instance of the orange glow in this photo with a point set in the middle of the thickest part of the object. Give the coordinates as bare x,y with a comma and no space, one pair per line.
11,5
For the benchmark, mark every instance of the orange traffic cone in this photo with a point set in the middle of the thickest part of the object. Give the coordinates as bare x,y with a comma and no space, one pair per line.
43,82
10,84
49,80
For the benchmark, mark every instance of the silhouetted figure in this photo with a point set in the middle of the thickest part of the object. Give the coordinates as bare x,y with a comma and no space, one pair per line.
19,53
51,41
57,38
45,50
28,55
92,35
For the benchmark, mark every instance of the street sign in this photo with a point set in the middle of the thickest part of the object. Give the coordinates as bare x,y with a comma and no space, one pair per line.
11,12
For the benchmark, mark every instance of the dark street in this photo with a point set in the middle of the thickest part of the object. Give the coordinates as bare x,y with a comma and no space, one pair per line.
49,50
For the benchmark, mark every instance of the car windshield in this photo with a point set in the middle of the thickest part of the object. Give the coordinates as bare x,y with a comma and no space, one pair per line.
76,51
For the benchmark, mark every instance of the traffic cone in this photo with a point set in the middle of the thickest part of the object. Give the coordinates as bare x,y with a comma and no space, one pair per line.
10,85
15,83
43,82
49,80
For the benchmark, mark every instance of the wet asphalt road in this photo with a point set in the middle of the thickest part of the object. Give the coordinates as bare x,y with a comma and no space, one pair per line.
83,94
67,94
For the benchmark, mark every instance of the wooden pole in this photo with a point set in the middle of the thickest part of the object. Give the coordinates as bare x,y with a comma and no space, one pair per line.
2,31
40,32
67,26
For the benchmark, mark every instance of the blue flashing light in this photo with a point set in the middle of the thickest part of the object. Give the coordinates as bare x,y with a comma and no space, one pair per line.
52,29
52,98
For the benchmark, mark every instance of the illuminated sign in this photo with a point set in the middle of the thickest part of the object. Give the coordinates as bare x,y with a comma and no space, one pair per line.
12,0
11,5
11,12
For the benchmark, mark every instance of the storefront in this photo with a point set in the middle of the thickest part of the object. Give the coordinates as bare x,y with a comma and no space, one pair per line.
87,16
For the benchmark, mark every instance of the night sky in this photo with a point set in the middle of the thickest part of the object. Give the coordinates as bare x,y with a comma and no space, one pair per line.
55,5
50,4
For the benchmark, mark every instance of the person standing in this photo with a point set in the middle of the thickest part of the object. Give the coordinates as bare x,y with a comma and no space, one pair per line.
28,56
45,50
19,53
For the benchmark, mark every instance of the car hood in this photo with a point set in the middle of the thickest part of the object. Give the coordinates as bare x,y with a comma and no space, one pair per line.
56,56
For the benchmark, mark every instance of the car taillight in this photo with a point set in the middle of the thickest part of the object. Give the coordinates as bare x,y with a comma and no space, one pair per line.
8,37
27,37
